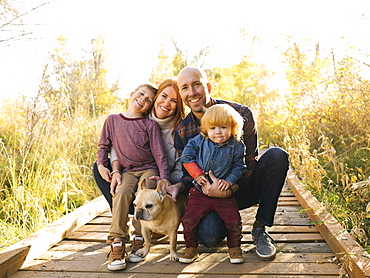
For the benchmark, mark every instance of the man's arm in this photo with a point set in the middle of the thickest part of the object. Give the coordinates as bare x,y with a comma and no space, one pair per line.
250,139
211,189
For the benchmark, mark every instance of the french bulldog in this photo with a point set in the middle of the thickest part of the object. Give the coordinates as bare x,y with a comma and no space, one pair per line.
157,212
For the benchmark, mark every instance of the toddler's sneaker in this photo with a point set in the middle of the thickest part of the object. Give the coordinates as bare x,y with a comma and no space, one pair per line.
236,255
190,254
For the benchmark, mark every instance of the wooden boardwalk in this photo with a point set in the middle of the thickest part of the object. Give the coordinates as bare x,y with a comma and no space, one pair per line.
302,250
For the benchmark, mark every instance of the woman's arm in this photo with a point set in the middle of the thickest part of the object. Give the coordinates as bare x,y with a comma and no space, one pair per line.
116,176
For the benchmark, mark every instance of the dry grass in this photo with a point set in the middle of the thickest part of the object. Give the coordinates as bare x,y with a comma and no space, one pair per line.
46,166
326,133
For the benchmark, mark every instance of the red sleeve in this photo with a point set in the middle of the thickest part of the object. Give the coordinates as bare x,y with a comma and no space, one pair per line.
193,169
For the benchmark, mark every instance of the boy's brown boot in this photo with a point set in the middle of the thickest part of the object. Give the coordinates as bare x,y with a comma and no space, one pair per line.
116,255
136,245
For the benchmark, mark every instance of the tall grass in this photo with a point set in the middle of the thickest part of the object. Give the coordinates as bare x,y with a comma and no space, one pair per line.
46,166
324,124
48,143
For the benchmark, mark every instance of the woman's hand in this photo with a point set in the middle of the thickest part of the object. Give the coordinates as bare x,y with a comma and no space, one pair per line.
175,189
104,173
157,178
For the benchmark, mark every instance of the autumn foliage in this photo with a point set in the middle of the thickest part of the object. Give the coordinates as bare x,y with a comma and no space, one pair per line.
48,143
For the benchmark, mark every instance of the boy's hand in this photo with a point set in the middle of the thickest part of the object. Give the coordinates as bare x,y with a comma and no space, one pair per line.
116,180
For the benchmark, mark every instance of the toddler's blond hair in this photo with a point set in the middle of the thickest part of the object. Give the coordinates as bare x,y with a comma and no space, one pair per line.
222,115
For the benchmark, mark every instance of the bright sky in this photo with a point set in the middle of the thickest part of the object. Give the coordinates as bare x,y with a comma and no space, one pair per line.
135,31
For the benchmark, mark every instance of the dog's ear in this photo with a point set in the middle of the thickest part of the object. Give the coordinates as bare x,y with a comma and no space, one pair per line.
142,184
162,189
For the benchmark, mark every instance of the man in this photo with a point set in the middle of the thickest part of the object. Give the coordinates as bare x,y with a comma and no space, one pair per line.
263,179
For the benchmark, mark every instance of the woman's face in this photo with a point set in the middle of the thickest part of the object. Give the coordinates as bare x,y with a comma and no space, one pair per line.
166,103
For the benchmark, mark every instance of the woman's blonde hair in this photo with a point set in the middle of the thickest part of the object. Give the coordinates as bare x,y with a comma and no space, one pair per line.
222,115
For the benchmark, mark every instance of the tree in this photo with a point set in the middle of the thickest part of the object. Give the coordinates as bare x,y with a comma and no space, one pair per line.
245,83
78,86
10,16
170,65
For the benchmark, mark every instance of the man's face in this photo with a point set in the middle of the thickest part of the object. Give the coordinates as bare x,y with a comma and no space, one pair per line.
193,90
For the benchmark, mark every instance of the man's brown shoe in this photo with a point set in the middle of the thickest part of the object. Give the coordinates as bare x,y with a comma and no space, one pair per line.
190,254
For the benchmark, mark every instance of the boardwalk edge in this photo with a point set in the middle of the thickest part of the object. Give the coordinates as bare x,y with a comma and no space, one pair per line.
56,231
350,253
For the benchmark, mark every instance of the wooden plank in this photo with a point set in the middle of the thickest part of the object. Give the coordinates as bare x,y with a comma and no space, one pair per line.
285,247
355,260
287,199
123,274
278,237
53,233
206,263
246,229
11,261
281,258
280,208
289,219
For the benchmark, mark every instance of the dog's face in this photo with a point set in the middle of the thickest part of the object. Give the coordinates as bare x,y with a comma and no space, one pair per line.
149,202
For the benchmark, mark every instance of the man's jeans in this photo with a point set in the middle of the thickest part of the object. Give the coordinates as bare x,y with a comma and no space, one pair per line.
264,189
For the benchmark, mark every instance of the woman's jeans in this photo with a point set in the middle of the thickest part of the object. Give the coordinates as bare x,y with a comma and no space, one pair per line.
104,186
264,189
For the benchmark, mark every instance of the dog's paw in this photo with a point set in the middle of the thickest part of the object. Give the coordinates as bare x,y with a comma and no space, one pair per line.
141,253
174,257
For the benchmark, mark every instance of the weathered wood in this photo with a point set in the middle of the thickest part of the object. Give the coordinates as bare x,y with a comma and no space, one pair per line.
123,274
302,252
355,260
246,229
288,219
283,237
11,261
163,249
211,263
286,247
53,233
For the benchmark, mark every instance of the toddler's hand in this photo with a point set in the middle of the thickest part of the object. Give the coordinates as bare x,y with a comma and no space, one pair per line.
201,180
